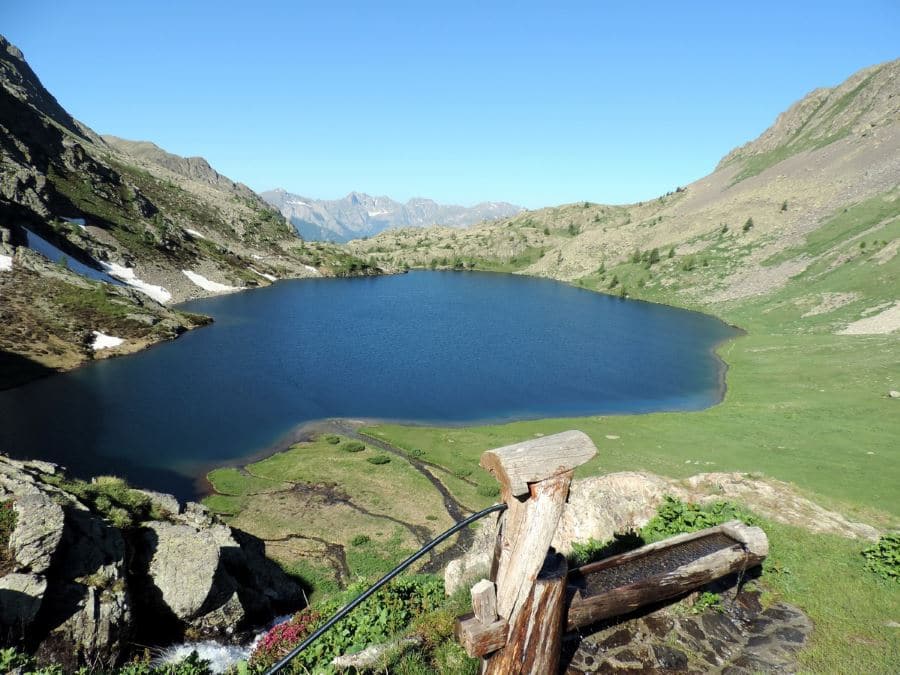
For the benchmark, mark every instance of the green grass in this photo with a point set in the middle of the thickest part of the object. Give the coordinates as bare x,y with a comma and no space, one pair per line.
803,404
850,606
341,499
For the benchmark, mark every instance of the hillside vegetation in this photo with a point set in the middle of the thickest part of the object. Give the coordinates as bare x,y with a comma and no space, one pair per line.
794,238
170,227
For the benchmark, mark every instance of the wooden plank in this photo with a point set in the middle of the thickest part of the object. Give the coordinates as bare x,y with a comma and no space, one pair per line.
534,640
517,465
479,639
484,601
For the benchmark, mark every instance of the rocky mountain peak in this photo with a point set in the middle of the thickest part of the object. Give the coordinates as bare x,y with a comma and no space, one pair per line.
865,101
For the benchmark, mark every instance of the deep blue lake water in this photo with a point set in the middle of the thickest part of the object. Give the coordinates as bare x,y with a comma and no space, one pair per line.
437,347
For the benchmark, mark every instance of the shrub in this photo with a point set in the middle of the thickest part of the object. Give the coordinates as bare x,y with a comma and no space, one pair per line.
705,601
488,490
675,517
671,253
283,637
359,540
353,446
884,557
382,616
333,439
112,498
784,205
748,225
378,459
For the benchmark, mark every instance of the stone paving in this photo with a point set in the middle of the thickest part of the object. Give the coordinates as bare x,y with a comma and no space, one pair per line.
739,638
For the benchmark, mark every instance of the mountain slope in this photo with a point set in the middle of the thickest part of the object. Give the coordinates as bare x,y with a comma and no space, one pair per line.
360,215
145,226
771,210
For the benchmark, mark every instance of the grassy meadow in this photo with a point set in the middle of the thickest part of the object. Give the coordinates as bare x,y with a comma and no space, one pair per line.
804,404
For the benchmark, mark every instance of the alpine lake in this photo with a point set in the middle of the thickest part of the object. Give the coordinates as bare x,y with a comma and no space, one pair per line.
422,348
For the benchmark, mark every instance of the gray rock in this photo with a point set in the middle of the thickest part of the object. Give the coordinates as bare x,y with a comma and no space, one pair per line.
38,531
20,600
372,657
601,506
182,567
476,562
165,502
97,627
894,394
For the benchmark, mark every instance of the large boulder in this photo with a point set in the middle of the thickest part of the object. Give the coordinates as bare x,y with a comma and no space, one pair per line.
38,531
86,614
183,570
20,600
602,506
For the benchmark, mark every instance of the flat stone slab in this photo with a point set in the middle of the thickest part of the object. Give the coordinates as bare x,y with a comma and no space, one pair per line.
741,638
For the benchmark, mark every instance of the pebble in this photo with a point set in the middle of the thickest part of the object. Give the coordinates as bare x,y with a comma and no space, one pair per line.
611,437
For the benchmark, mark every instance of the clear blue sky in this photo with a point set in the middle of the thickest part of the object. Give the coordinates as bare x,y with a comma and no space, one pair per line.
534,103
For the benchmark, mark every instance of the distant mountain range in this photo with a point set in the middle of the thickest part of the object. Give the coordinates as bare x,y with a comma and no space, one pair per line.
360,215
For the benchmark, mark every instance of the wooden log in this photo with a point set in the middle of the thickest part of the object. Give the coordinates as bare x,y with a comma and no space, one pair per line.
750,549
478,638
534,640
484,601
517,465
527,532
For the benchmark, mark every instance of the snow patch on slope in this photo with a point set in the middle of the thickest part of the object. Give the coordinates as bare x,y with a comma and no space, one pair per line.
206,284
126,274
103,341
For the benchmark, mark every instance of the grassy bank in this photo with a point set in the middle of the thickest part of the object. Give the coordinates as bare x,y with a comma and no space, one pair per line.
805,404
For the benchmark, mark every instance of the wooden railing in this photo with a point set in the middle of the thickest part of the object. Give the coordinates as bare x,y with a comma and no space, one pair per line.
520,614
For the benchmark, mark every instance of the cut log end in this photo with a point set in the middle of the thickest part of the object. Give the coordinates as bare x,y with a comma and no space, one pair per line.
480,639
517,465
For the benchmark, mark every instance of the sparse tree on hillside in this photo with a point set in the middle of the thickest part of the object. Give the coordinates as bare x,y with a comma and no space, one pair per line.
748,225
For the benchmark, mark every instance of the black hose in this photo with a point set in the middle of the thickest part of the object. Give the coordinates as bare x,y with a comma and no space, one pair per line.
378,584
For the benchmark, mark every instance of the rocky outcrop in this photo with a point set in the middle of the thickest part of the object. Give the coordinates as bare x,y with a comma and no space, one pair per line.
81,590
601,507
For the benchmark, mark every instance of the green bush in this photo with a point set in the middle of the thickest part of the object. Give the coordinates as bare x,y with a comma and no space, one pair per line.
359,540
675,517
353,446
14,661
112,498
333,439
705,601
378,459
884,557
748,225
377,620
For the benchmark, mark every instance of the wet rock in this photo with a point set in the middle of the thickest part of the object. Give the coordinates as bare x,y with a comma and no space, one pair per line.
670,659
735,640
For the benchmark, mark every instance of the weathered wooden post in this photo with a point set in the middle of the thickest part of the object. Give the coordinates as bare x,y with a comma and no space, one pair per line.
530,580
